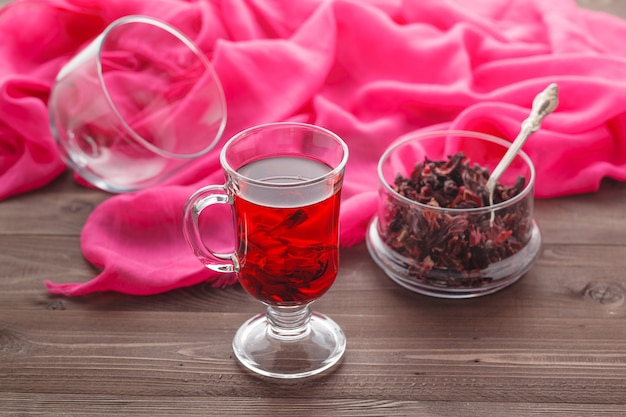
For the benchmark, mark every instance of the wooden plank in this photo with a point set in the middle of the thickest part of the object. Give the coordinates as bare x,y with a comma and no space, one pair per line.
145,354
588,218
58,209
559,282
82,405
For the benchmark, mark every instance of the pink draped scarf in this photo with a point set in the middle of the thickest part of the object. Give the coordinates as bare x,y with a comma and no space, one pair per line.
371,71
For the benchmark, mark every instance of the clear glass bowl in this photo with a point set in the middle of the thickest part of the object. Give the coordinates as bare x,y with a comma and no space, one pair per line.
454,252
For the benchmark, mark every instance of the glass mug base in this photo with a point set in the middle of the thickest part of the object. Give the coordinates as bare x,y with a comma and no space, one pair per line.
317,348
439,283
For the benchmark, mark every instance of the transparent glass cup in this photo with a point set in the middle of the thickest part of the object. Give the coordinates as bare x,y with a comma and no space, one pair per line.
283,184
454,252
136,105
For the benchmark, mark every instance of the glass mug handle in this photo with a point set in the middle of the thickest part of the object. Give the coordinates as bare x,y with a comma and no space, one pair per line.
200,200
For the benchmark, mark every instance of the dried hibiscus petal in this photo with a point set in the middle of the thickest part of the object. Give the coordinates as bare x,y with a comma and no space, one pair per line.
463,241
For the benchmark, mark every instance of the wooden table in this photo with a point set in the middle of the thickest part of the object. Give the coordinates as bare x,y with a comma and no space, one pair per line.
552,344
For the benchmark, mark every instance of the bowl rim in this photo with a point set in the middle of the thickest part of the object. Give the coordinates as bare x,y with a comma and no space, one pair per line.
528,187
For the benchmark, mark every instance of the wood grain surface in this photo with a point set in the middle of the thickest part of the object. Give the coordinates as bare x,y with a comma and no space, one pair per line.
553,344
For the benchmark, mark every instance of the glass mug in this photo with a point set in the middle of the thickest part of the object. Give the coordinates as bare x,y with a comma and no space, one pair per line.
136,105
283,182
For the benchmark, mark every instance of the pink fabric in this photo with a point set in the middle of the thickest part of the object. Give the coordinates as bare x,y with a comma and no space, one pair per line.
371,71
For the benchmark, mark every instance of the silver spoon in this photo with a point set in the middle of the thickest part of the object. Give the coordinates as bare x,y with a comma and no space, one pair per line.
543,104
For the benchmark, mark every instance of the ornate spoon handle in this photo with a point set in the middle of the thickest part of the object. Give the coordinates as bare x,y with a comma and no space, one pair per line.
543,104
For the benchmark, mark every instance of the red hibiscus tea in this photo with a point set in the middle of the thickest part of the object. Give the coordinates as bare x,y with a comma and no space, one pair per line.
287,237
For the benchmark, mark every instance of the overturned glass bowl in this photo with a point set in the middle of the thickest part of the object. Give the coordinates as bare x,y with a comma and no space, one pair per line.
436,233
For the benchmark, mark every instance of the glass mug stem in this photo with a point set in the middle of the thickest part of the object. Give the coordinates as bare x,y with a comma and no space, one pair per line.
289,323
